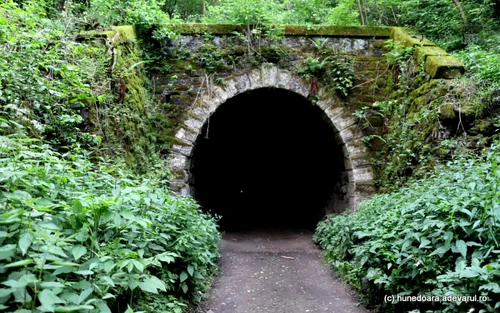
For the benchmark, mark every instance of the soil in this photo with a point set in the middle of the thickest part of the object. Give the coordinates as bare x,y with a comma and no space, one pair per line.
278,271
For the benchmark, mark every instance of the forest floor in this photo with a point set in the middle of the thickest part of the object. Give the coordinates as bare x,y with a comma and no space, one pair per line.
276,271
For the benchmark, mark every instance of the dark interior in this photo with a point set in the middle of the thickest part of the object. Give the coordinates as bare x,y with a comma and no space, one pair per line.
267,158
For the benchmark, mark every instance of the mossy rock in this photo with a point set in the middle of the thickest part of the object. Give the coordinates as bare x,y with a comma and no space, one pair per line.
446,111
408,37
446,67
118,34
421,53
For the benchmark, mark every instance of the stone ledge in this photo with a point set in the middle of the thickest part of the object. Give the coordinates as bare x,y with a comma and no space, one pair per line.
123,34
437,62
408,37
444,67
290,30
421,53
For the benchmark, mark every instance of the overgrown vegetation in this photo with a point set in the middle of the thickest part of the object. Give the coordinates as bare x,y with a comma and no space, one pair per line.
76,236
79,232
437,236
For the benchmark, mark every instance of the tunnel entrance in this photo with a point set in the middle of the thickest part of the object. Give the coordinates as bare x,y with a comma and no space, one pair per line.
268,158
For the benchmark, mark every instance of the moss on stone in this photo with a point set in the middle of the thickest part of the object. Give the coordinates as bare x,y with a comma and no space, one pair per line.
446,111
127,33
421,53
119,34
199,28
298,30
444,67
338,31
408,37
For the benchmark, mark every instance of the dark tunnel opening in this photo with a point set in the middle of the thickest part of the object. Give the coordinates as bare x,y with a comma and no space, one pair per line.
268,158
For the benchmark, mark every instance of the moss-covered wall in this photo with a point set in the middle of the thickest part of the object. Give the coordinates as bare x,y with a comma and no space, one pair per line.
204,56
129,118
207,55
428,116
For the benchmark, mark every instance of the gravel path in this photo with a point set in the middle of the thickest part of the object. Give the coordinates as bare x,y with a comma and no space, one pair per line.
278,272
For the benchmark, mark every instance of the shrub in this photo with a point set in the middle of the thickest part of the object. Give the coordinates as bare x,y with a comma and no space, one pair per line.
75,236
438,236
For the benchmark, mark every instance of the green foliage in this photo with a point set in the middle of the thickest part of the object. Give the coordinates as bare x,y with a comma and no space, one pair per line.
76,236
440,20
306,11
147,15
244,12
437,236
482,64
46,78
344,13
333,70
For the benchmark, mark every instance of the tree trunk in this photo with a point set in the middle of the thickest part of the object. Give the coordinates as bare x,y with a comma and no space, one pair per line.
361,13
462,13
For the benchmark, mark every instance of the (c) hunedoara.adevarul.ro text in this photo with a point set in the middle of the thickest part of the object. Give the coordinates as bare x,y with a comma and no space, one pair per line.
424,298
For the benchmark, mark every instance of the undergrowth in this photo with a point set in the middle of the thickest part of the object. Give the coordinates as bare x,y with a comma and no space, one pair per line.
81,237
436,236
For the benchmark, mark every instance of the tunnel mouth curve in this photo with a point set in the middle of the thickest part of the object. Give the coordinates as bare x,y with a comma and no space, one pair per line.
268,158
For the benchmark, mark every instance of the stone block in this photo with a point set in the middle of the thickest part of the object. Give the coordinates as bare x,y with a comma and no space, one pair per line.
408,37
184,150
193,124
269,75
421,53
255,79
185,136
363,175
444,67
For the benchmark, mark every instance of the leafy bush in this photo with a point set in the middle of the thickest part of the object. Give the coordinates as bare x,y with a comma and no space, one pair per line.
75,236
437,236
243,12
147,15
482,64
45,76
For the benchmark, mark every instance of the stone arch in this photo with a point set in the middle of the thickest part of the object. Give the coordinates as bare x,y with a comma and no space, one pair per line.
348,135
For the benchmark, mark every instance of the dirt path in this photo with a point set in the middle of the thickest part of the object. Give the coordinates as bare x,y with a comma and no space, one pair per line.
277,272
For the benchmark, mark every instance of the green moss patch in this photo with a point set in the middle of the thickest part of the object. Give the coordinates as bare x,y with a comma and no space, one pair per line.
408,37
421,53
298,30
444,67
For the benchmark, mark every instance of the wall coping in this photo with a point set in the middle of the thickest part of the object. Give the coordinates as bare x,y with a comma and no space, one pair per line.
289,29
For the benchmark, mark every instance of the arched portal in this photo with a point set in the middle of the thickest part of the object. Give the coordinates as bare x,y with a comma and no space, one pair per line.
267,158
344,155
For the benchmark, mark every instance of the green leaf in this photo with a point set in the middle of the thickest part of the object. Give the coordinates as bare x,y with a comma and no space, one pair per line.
5,292
78,252
7,251
73,308
183,276
84,272
52,284
108,280
138,265
15,283
84,295
103,307
461,247
19,263
468,273
152,284
48,298
493,287
185,288
190,270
